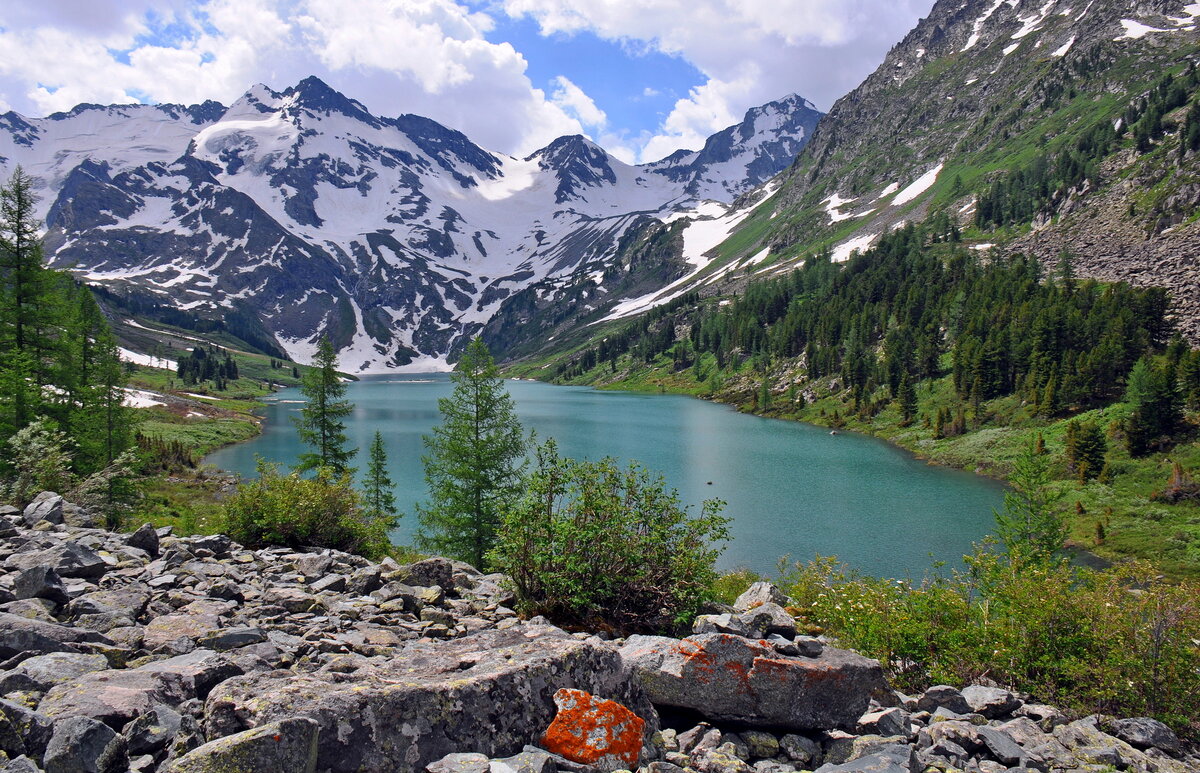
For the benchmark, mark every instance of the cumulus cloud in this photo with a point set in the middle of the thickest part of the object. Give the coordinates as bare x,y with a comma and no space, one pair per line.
750,51
575,102
433,57
396,56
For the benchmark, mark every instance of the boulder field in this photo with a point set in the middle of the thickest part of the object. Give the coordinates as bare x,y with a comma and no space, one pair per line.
155,653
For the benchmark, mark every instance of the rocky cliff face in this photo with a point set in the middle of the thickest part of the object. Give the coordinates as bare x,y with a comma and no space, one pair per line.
152,653
396,237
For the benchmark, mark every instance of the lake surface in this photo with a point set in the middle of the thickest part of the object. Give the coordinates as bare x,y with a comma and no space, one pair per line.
790,488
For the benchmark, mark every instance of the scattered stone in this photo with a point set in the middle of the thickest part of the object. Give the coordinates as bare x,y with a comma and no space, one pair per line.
145,538
115,697
152,731
46,506
991,702
46,671
889,722
889,759
286,746
1146,733
84,745
459,762
40,582
758,594
943,696
729,678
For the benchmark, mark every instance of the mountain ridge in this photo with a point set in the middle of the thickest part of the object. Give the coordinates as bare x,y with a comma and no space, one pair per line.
396,237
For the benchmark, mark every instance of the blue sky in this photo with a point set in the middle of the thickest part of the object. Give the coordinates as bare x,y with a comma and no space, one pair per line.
641,78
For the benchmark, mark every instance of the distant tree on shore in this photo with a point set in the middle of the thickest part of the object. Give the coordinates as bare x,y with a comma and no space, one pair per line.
320,423
474,465
379,501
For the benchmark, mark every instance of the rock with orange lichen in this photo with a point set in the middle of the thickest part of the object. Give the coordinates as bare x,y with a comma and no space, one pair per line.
595,731
491,693
732,679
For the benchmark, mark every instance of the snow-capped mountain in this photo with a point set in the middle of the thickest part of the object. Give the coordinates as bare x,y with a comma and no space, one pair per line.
396,237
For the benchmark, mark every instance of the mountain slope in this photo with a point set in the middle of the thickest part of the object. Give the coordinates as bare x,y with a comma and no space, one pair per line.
984,88
395,237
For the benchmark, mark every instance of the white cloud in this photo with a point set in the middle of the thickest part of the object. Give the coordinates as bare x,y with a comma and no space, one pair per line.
576,103
650,91
428,57
432,57
750,51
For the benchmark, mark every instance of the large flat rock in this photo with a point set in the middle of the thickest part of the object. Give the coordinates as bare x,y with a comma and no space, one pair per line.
491,693
729,678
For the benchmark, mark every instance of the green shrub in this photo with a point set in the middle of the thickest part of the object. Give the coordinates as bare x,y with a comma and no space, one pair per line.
592,544
1120,641
297,512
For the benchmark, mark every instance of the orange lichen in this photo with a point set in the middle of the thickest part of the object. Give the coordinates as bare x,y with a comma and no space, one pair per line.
588,729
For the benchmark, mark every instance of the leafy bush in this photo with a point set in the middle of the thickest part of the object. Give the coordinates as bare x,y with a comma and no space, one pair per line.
40,459
593,544
296,512
1121,641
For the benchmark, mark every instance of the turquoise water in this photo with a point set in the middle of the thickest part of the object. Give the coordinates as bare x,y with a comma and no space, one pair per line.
791,488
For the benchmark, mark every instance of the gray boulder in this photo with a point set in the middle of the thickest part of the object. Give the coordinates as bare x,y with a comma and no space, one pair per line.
461,762
723,623
201,670
70,559
21,764
46,671
84,745
767,619
145,538
757,594
943,697
731,679
286,746
891,721
46,506
889,759
25,636
152,731
991,702
40,582
492,693
30,728
115,697
1146,733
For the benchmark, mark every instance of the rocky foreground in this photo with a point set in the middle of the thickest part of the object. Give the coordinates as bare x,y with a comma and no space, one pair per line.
149,652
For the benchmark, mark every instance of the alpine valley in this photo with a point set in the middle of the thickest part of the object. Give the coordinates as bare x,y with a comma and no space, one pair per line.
302,214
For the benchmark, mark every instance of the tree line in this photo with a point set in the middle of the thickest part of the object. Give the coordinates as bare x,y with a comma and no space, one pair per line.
61,378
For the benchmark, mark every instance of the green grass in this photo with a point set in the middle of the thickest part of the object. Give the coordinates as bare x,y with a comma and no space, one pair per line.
201,435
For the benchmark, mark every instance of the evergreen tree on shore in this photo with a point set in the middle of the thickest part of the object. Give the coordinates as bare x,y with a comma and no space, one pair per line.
474,465
379,501
320,424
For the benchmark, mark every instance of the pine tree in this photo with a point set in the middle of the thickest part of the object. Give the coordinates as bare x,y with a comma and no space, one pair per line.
379,501
1086,449
473,468
320,422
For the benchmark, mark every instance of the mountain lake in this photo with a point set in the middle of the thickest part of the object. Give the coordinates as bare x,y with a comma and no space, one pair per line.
791,489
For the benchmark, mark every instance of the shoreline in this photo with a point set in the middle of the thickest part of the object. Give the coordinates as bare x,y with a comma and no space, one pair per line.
1079,554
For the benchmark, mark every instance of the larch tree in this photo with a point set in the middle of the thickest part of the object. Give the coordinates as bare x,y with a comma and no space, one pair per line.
320,423
474,462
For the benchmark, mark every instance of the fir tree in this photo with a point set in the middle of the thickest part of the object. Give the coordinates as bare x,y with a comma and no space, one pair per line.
379,501
908,400
320,422
473,466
